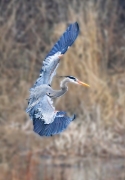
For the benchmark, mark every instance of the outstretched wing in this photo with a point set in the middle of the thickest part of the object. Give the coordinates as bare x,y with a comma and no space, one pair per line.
51,61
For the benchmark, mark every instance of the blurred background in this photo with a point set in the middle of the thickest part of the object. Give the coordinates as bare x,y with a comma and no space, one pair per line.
93,147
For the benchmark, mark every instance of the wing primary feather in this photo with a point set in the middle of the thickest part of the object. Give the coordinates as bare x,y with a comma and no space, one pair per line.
57,126
66,40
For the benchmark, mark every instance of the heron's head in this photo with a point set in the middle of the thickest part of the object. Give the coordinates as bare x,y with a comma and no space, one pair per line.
76,81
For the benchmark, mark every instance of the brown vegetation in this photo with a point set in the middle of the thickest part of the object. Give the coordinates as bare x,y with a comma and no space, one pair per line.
27,32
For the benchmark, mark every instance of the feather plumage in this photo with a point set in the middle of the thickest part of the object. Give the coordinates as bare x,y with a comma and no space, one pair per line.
59,124
46,120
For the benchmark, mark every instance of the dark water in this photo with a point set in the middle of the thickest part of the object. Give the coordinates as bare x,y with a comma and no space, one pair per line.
81,169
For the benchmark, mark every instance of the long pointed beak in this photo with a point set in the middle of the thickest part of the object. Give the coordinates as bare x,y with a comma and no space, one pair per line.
82,83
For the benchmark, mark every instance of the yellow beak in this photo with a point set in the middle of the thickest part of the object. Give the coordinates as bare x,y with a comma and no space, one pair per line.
82,83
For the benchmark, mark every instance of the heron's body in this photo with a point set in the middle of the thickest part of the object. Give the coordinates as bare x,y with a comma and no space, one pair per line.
40,96
46,120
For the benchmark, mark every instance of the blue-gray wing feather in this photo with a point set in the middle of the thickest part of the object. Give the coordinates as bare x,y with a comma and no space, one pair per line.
51,61
60,123
43,109
66,40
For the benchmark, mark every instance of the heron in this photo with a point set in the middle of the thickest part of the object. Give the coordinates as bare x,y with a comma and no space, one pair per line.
47,121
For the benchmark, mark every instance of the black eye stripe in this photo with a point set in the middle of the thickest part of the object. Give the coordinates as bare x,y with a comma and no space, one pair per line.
71,77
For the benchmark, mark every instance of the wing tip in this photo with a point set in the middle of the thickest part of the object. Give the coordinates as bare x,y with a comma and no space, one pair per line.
75,25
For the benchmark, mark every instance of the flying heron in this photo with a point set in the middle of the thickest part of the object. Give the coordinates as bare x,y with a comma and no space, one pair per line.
46,120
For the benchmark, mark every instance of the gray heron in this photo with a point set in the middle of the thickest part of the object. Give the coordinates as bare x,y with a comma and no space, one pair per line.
46,120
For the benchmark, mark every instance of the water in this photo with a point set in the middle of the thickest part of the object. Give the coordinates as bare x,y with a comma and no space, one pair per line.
81,169
36,167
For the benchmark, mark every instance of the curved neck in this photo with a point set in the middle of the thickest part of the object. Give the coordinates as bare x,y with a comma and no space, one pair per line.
57,93
63,84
